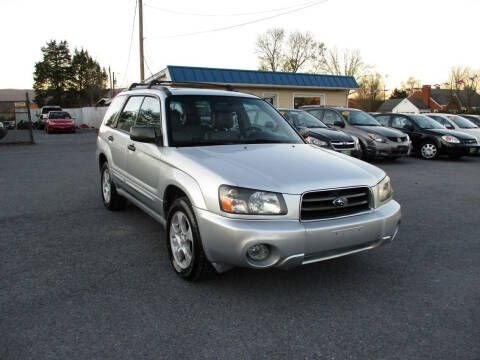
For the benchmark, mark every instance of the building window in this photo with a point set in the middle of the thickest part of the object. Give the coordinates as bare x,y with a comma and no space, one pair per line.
272,98
302,100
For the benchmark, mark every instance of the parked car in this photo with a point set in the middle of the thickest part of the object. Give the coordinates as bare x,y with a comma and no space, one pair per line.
59,121
375,140
44,115
3,130
9,124
320,134
458,123
473,118
431,139
208,164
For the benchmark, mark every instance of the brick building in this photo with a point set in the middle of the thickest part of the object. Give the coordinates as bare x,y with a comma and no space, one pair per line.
446,100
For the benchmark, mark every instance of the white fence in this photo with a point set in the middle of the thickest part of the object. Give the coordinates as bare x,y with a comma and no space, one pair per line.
91,116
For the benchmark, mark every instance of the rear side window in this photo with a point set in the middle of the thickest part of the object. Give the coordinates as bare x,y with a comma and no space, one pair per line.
129,113
113,110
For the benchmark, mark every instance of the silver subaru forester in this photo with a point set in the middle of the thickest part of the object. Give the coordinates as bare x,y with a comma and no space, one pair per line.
235,184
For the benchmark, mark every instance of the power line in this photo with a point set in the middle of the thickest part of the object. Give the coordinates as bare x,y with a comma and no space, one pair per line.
131,41
237,25
146,63
224,15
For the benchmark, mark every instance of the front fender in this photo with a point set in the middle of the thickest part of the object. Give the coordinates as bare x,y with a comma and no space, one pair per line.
189,186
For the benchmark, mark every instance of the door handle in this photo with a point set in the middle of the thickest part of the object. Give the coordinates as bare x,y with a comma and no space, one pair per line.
131,147
110,138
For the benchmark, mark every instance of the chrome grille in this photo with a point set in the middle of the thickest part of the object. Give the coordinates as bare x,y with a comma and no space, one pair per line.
469,141
343,145
320,204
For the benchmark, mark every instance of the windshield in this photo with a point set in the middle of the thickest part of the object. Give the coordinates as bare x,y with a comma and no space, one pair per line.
424,122
462,122
225,120
301,118
59,115
360,118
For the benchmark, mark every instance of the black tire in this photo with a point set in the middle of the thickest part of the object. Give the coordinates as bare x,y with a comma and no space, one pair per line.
199,267
116,201
424,154
364,156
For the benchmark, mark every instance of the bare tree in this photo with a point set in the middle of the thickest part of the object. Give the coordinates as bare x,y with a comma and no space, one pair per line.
411,83
301,50
463,78
342,62
370,92
269,49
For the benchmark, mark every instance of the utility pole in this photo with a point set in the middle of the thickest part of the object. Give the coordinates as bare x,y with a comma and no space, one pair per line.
140,33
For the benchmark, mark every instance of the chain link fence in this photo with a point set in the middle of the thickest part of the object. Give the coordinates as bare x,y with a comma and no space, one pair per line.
16,122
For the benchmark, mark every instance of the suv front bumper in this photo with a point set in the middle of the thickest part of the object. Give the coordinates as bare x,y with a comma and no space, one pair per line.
226,240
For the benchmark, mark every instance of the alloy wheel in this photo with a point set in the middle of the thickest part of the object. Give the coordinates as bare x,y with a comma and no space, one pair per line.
181,240
106,186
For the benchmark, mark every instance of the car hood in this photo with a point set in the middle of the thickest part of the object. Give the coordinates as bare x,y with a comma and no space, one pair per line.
329,134
441,132
284,168
381,130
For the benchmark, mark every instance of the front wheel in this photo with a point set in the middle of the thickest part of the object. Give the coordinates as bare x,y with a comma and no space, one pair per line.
184,244
428,151
111,199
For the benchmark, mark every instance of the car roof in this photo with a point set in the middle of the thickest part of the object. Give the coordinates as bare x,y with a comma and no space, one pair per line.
187,91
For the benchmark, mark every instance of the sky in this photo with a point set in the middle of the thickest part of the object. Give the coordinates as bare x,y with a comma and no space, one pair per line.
420,38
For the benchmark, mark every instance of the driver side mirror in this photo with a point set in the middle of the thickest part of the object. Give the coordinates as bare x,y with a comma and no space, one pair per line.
449,126
145,134
339,123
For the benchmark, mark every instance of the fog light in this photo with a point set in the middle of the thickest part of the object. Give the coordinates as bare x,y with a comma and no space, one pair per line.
258,252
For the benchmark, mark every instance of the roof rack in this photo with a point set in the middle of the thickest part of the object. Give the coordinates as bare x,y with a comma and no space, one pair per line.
152,83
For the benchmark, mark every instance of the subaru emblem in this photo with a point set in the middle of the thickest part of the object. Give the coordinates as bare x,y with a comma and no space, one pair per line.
340,201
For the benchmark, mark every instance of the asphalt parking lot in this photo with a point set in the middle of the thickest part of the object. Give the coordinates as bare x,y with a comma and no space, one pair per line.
80,282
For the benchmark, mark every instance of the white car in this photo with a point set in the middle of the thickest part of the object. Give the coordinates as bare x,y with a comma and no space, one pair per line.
457,123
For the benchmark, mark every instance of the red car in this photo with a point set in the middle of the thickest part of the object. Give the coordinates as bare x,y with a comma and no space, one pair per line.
59,121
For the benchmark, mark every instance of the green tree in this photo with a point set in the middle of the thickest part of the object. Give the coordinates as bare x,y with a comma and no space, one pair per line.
88,81
399,94
52,74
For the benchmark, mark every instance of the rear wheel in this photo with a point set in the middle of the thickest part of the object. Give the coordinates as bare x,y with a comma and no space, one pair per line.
111,199
184,244
428,150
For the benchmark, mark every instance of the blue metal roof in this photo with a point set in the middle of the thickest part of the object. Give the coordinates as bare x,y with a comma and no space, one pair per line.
252,77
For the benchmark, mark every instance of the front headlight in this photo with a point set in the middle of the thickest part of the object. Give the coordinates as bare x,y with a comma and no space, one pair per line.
451,139
383,191
376,138
317,142
236,200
